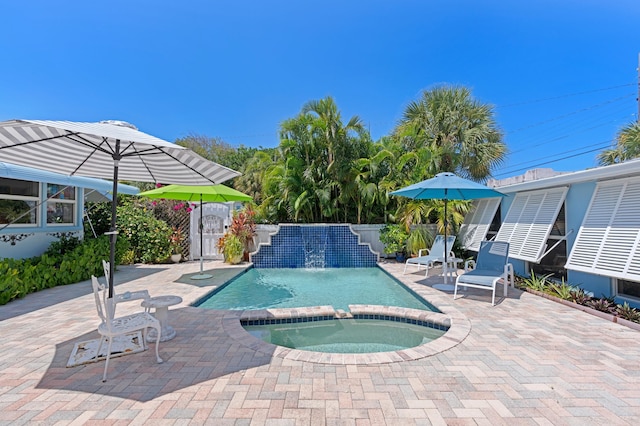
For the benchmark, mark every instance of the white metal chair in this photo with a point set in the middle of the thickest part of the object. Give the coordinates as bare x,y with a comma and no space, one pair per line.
112,326
127,296
435,254
491,266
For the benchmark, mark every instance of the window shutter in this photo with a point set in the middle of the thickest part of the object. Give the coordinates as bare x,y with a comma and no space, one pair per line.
477,222
529,221
608,240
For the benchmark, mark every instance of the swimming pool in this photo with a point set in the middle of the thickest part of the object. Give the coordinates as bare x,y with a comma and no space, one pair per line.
293,288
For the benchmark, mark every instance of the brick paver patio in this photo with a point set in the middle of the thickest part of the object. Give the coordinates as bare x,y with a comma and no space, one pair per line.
526,361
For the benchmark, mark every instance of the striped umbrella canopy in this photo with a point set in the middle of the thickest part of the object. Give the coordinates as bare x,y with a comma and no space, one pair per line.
108,149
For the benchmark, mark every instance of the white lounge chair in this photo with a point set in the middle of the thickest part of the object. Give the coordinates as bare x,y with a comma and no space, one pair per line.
435,254
491,266
112,326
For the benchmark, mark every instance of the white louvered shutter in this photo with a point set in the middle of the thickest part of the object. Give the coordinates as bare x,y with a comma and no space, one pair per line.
477,222
529,221
608,240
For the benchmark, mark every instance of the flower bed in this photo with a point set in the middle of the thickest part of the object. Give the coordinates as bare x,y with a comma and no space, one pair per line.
577,298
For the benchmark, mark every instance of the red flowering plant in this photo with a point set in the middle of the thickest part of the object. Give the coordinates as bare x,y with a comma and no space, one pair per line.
243,226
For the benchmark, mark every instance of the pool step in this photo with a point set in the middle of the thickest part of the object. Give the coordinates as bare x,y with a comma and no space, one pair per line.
342,314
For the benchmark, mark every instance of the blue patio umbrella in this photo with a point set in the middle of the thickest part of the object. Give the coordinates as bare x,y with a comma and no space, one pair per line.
447,186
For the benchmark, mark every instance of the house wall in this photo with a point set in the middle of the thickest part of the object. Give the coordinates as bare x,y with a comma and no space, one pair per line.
20,242
576,205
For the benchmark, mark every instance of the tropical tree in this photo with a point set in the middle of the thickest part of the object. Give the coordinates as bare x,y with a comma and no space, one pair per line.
314,179
627,146
254,173
461,132
446,130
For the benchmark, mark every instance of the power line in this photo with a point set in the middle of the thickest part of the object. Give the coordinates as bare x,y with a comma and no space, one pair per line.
610,101
564,136
511,171
564,96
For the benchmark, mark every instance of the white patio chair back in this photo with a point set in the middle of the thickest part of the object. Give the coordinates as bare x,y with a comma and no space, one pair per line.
111,326
434,254
105,267
104,305
438,248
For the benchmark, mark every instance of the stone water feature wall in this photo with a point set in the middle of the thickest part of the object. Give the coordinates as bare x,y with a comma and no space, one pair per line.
314,246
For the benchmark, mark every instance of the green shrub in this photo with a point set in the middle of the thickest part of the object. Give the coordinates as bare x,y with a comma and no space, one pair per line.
149,238
561,290
627,312
536,283
419,238
394,238
233,248
19,277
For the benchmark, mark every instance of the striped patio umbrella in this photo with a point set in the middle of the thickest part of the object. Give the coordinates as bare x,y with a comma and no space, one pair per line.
108,149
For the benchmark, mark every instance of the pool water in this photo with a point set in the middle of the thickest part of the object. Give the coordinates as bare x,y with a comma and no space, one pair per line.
346,335
293,288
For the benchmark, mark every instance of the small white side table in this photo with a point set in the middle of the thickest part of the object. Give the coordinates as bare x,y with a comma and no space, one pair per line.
448,269
161,305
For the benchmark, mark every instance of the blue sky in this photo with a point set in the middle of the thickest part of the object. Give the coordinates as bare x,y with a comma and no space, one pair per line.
561,73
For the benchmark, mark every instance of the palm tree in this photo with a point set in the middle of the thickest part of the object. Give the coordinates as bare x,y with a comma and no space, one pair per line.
446,130
627,146
460,131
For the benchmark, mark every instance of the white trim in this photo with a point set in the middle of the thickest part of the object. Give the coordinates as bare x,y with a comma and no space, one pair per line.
529,221
608,242
614,171
477,222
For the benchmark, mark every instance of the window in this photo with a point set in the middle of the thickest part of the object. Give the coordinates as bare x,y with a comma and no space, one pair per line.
553,263
61,206
626,288
529,222
19,202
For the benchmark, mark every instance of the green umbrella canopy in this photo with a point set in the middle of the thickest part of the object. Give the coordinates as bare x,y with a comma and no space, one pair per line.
209,193
204,194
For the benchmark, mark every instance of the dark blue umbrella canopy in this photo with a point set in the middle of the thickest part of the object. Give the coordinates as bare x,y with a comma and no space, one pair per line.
447,186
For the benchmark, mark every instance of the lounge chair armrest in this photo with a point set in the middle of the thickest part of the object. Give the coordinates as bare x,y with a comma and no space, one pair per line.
425,250
508,272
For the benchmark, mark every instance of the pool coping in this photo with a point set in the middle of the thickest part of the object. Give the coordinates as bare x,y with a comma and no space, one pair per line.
459,329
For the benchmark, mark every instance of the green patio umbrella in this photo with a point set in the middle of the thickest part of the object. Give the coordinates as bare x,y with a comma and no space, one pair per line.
210,193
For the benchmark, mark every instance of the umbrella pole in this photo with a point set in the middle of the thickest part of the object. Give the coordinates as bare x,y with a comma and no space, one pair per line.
445,268
201,275
201,233
113,232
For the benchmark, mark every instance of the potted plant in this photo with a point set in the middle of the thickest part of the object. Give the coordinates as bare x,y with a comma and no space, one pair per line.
243,226
232,248
175,241
394,237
